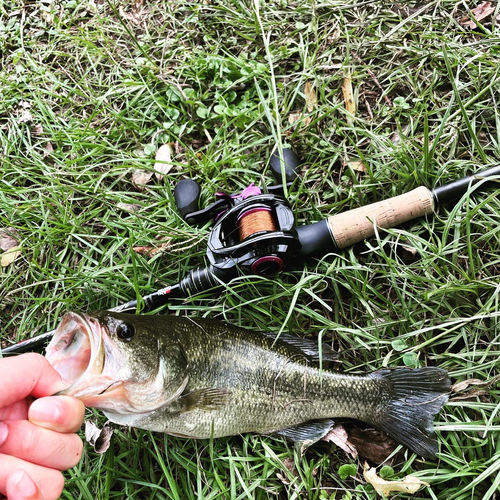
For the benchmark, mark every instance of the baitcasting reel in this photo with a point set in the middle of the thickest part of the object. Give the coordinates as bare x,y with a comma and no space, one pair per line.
254,232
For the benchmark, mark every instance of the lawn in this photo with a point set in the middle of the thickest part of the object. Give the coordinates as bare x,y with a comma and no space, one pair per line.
89,92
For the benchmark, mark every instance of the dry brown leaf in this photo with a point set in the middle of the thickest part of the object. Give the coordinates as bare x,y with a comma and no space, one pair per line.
91,431
91,7
9,238
311,97
48,149
150,250
407,252
311,101
163,163
140,178
283,479
9,244
482,11
100,439
129,207
371,444
10,256
359,166
305,446
465,384
338,436
295,117
25,116
395,138
47,17
350,105
290,466
409,485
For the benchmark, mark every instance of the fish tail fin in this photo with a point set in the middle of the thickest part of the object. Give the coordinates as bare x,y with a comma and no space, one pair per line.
413,398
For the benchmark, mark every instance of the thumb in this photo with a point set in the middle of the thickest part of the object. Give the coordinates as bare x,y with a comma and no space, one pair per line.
21,487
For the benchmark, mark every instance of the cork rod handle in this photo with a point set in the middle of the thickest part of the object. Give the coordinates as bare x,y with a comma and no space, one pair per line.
356,225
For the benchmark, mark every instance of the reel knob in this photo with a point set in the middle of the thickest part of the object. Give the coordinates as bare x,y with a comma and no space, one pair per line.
291,163
186,194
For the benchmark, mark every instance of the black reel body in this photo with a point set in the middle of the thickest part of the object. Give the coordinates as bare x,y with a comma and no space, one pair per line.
257,235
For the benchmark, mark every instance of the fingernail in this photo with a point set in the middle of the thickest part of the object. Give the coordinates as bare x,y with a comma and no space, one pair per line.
4,432
23,484
44,411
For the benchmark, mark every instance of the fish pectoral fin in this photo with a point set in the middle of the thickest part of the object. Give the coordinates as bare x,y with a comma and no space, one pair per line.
205,399
308,431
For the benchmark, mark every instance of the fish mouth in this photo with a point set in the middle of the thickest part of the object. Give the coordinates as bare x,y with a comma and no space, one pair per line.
78,352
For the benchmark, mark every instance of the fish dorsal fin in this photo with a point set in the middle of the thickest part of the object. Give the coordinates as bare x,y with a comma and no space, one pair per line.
308,431
205,399
307,348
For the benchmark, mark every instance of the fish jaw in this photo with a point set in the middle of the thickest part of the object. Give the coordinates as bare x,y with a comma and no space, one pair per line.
80,353
70,349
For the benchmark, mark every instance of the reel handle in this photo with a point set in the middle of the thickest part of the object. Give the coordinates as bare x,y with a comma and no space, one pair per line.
187,193
291,165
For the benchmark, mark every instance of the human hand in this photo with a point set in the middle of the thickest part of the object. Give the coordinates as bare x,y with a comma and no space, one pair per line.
37,437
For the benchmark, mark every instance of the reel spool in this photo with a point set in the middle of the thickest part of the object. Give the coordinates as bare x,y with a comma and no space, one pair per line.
256,220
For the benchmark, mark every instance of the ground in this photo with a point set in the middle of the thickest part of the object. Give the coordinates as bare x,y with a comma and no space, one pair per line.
90,90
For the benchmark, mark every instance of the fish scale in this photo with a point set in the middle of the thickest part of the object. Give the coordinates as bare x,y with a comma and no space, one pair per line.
271,406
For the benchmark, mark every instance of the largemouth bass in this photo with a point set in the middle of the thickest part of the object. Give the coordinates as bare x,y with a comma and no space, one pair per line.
202,378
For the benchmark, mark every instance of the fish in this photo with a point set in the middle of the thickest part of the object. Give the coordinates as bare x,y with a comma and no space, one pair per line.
201,378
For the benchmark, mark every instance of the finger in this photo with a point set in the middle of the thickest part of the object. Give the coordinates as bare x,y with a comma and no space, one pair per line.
21,487
4,433
50,482
42,446
16,411
28,374
59,413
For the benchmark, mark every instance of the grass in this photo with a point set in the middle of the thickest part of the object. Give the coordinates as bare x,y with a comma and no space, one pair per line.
90,89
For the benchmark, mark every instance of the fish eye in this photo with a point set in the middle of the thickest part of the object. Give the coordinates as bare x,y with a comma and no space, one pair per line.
125,331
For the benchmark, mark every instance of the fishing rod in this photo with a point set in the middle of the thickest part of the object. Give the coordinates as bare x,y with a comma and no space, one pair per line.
255,232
